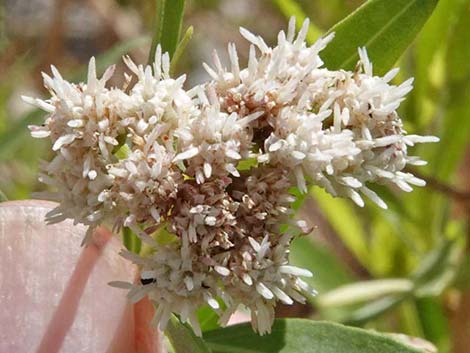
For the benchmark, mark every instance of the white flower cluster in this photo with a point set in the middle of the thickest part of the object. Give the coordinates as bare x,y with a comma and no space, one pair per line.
203,175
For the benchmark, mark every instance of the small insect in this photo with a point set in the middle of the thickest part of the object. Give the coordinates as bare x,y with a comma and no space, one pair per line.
146,281
148,277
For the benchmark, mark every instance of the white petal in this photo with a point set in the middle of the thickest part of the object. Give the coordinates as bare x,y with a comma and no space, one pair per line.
63,140
190,153
233,154
207,169
283,297
264,291
37,133
247,279
254,244
374,197
276,146
298,155
295,271
224,271
214,304
351,181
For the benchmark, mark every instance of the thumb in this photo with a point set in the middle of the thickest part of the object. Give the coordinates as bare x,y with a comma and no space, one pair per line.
55,292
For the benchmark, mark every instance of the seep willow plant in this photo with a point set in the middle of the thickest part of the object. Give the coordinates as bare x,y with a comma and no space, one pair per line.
167,166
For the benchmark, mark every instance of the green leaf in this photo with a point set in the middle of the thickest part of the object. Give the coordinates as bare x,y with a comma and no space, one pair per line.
373,310
169,21
180,49
459,51
415,342
298,335
121,152
455,127
131,241
434,322
183,339
386,28
208,317
433,37
291,8
364,291
410,322
439,268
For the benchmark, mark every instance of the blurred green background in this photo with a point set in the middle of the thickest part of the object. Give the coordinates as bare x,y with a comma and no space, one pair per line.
404,270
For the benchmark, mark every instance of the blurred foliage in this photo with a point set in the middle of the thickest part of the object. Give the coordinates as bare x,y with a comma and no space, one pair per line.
406,269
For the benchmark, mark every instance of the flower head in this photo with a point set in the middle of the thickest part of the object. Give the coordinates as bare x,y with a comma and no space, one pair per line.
204,176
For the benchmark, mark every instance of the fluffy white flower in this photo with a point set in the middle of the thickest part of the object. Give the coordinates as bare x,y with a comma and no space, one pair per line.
275,78
214,142
166,163
83,128
156,99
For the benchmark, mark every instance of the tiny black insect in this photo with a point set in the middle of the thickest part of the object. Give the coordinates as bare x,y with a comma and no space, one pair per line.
145,281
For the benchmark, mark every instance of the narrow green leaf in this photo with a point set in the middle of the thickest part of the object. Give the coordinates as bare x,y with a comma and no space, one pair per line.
409,319
455,129
121,152
298,335
373,310
169,21
434,322
364,291
291,8
131,241
183,339
208,318
459,51
432,39
439,268
386,28
180,49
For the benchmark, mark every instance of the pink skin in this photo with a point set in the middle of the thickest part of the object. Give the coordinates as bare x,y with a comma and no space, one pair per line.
54,293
